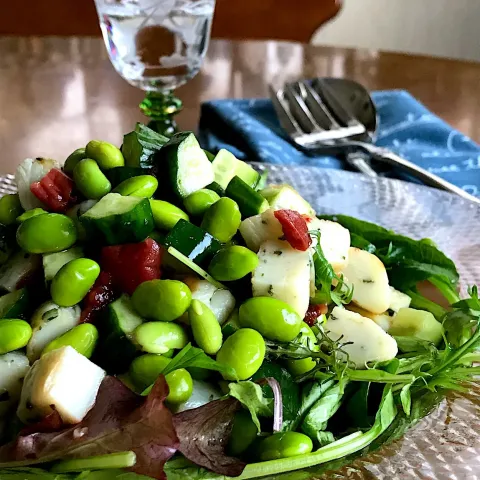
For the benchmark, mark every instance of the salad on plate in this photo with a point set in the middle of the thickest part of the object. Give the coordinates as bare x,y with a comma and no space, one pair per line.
167,313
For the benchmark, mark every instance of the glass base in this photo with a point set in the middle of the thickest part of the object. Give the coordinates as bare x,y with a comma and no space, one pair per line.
161,107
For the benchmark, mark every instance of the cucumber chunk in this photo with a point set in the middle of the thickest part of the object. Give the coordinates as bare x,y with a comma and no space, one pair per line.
188,165
53,262
116,219
15,304
226,166
193,242
419,324
249,201
117,349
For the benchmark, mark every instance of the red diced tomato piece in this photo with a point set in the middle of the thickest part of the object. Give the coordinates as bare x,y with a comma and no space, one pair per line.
132,264
55,190
313,312
295,229
101,294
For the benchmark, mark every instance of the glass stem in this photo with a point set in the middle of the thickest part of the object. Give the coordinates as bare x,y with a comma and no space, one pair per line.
161,107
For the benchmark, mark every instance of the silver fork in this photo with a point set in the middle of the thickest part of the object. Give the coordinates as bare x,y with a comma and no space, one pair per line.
311,125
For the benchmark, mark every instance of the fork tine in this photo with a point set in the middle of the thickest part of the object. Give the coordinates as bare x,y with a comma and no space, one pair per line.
316,106
331,100
282,109
300,109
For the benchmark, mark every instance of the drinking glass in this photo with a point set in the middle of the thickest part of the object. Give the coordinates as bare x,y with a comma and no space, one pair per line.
157,45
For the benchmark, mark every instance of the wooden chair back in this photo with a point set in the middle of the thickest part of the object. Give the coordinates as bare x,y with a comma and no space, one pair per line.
234,19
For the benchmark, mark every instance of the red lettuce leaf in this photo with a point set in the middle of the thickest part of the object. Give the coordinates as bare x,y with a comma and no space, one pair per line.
119,421
204,433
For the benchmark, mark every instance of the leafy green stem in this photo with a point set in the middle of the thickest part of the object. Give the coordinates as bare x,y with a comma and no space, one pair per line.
448,291
422,303
346,446
457,355
379,376
113,460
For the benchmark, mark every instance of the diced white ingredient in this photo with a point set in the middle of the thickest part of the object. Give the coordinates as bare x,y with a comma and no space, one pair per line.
398,300
369,342
13,368
29,171
283,273
50,321
260,228
221,302
334,240
203,393
383,320
368,277
18,267
53,262
62,379
283,197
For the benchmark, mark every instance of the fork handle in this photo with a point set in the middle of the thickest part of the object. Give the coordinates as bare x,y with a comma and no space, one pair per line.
358,161
384,155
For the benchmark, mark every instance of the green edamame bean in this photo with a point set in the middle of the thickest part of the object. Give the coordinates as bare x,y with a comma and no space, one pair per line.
283,445
206,330
83,338
145,369
304,365
90,180
162,300
105,154
14,334
243,434
141,186
232,263
243,351
30,213
160,337
73,281
50,232
72,160
274,319
180,385
166,215
10,208
222,219
200,201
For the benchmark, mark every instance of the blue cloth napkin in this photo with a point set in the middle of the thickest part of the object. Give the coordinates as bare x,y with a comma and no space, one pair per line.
250,130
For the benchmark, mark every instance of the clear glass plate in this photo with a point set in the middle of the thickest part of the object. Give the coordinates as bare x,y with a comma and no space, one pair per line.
445,444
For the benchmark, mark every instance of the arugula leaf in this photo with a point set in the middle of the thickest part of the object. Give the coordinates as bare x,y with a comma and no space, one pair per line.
317,417
140,145
325,438
251,396
359,242
406,399
325,278
191,356
408,261
340,448
311,392
289,388
469,305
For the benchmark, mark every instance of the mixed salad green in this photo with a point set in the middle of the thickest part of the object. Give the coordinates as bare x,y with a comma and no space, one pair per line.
165,313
